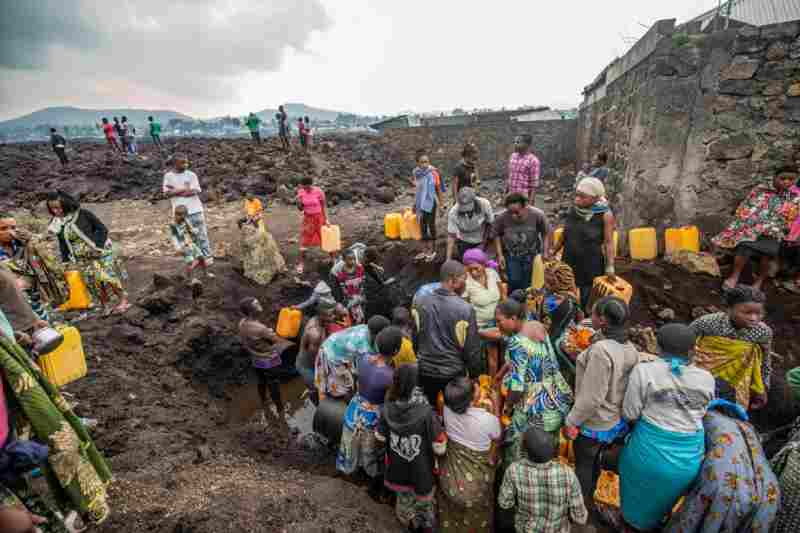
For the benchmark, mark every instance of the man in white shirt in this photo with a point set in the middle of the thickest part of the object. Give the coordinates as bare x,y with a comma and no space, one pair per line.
182,187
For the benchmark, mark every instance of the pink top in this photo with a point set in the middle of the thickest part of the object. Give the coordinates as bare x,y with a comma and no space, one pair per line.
3,416
523,173
794,229
312,200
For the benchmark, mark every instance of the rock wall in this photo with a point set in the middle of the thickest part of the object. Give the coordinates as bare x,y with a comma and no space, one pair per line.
553,143
695,125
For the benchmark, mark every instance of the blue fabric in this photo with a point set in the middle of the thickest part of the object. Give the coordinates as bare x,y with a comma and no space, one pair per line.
729,408
655,468
426,190
5,326
518,270
607,436
425,290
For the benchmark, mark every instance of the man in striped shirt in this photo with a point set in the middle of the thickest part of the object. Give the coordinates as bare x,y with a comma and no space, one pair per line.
523,169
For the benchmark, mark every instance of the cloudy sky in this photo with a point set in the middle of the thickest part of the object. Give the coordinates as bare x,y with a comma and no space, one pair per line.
215,57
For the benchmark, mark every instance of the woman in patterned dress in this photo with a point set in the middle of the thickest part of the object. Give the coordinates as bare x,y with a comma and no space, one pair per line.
760,225
83,240
736,489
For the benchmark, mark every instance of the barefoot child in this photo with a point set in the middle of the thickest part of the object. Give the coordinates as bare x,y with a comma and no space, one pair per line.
185,239
428,199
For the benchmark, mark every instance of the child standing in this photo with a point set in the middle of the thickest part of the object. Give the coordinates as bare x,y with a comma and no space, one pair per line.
186,240
428,198
311,201
546,494
253,211
351,282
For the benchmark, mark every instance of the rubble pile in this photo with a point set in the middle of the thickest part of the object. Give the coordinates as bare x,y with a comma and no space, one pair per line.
351,169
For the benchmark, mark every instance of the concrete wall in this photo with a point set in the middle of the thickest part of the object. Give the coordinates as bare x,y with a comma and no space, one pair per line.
553,143
694,126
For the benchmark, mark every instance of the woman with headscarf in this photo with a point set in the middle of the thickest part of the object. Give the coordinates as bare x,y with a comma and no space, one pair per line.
736,489
761,222
588,240
83,240
560,309
736,345
466,472
484,290
665,401
601,378
31,264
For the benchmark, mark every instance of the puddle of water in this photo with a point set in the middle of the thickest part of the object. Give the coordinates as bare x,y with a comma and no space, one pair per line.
246,403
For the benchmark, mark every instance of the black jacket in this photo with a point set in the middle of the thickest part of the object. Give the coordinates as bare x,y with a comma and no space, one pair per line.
91,226
440,315
56,139
409,429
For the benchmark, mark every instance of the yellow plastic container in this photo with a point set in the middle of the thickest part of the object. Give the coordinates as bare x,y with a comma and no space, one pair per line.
537,273
558,234
331,239
78,293
616,243
392,224
66,363
289,321
603,287
643,244
685,238
410,229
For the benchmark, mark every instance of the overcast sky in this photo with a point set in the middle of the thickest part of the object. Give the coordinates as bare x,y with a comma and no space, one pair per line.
214,57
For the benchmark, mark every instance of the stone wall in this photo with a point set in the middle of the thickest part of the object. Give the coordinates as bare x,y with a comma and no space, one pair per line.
694,126
553,143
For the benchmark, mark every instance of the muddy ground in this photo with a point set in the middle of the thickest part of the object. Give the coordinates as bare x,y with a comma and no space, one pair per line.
171,387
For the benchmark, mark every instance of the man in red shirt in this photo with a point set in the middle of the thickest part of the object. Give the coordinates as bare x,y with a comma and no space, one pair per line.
111,137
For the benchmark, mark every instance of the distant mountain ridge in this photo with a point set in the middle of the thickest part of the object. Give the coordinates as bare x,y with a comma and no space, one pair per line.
300,110
59,117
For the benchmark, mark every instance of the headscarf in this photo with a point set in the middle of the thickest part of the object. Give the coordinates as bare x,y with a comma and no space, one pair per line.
675,341
475,256
595,188
560,280
743,294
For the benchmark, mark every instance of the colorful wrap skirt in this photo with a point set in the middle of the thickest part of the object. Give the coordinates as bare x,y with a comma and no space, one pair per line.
358,446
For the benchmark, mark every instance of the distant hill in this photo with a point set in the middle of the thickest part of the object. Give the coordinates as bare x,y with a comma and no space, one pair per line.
300,110
74,116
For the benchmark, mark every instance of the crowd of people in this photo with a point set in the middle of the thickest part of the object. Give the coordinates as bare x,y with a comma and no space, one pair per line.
487,403
462,412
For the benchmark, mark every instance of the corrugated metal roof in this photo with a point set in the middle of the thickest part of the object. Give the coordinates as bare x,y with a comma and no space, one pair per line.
755,12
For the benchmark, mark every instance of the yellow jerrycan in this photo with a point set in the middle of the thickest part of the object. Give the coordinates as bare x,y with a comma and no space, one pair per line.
331,239
289,321
78,293
685,238
410,228
643,244
392,224
66,363
537,273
